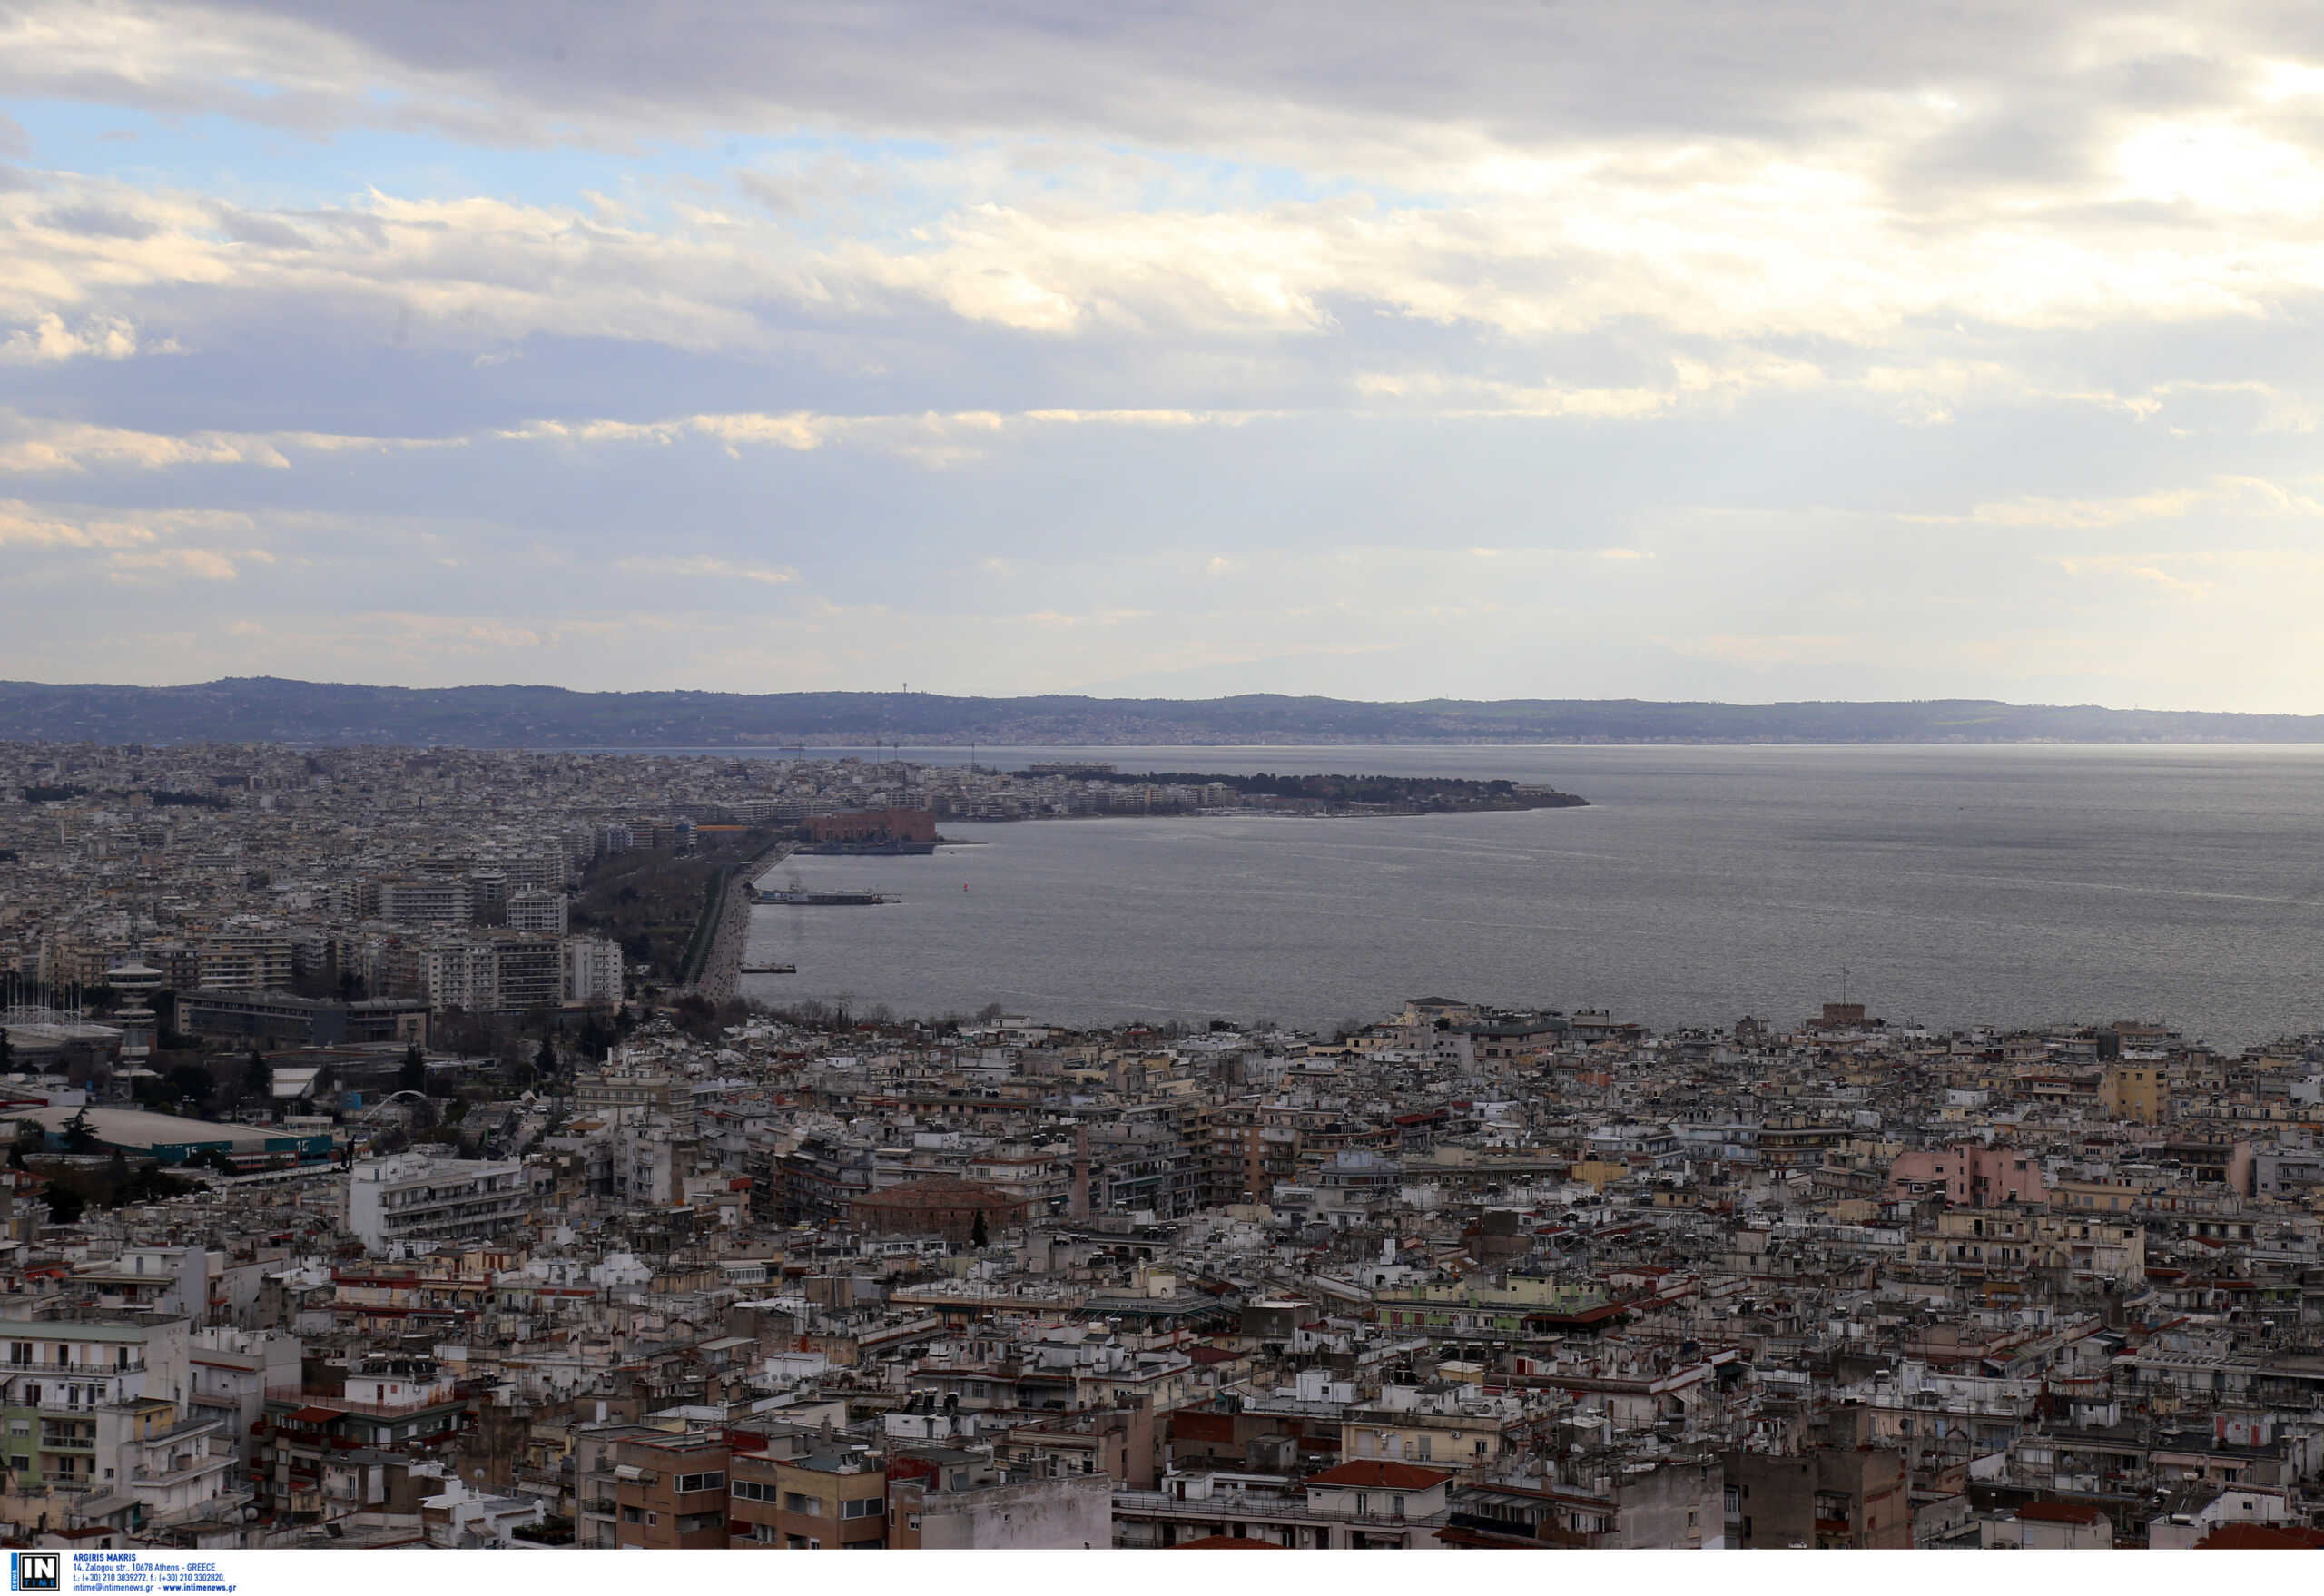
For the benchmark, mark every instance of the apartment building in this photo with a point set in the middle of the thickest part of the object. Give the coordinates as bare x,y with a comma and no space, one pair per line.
824,1502
593,971
620,1093
244,961
413,1198
670,1496
957,1500
1827,1497
532,910
494,971
69,1373
448,902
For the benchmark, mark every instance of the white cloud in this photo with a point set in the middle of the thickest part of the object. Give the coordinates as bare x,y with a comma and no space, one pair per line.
207,565
22,525
1506,343
100,337
703,564
2224,496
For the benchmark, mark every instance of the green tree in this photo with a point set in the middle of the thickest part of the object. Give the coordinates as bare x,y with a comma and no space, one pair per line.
64,1205
545,1061
596,1040
148,1184
413,1076
979,1236
191,1083
79,1138
258,1078
7,1053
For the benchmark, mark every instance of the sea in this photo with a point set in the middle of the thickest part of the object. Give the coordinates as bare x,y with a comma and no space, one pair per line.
1943,886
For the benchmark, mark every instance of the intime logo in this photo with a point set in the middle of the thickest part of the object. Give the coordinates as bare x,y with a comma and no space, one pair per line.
35,1571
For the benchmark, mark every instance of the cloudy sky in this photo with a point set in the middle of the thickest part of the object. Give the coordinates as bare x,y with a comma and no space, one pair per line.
1729,351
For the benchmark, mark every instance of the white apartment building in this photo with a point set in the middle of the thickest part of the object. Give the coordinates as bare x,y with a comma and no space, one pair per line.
245,961
233,1371
593,971
547,870
446,901
411,1198
103,1402
534,911
493,971
457,975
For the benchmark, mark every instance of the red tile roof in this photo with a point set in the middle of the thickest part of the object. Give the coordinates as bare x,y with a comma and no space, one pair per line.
1227,1543
2261,1538
2059,1513
1380,1473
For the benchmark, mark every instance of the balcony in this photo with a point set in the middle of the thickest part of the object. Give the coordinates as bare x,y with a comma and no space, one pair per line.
386,1410
1265,1507
184,1427
81,1371
193,1468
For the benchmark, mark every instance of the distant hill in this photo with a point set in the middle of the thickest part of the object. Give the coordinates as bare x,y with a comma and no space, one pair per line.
253,709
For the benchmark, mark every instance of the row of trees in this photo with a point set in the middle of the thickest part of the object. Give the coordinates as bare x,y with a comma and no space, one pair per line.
73,1188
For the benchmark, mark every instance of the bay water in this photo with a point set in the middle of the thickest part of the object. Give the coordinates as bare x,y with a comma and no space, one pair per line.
1948,885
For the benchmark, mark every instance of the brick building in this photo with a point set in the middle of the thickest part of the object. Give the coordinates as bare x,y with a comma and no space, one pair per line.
873,825
937,1205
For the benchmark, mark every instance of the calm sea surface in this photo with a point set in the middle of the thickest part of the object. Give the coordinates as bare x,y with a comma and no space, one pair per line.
1946,886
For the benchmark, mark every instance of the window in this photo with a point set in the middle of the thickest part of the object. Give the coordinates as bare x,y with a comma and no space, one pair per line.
752,1491
709,1481
653,1518
808,1506
871,1507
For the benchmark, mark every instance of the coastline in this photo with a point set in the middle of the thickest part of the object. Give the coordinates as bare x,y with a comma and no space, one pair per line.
721,960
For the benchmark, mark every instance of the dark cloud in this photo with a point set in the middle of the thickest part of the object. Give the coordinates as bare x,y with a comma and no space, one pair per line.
245,227
1191,73
98,221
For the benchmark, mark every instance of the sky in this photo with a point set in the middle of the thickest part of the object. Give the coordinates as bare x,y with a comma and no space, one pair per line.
1745,351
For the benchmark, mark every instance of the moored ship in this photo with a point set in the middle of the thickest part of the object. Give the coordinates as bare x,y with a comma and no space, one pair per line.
801,896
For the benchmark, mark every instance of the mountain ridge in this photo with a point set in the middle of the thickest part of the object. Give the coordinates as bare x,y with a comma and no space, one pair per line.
248,709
